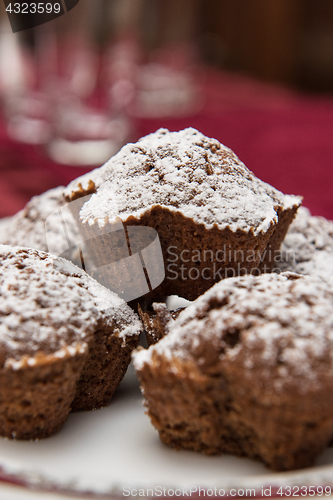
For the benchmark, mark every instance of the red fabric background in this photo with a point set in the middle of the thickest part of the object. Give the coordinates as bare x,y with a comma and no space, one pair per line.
283,137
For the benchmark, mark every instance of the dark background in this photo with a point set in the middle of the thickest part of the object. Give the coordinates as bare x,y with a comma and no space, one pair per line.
286,41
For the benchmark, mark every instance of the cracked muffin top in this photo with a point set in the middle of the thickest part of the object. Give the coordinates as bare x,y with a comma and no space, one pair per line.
276,328
185,172
27,227
308,246
49,305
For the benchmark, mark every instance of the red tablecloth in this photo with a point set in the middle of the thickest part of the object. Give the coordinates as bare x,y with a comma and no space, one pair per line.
283,137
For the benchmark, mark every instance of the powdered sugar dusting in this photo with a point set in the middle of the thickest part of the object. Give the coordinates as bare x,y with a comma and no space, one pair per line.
68,351
185,172
48,304
27,227
278,324
308,246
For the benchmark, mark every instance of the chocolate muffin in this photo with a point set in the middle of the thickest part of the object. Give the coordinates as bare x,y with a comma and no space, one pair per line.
247,369
214,218
156,323
65,342
307,247
41,225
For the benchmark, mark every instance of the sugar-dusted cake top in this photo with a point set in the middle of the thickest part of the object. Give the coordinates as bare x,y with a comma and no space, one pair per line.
27,227
185,172
48,304
308,246
276,328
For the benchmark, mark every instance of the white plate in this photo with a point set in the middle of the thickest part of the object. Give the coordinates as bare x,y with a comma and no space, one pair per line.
116,450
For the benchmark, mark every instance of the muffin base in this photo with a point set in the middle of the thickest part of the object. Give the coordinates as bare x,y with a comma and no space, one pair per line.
194,257
216,414
35,400
105,367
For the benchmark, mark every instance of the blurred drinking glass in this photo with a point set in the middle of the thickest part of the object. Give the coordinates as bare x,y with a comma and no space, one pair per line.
26,106
87,127
168,84
54,91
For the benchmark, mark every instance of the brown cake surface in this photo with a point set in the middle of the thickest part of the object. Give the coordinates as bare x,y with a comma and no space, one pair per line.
247,369
157,322
214,218
65,342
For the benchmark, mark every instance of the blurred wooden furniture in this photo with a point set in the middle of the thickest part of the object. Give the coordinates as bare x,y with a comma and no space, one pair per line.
289,41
